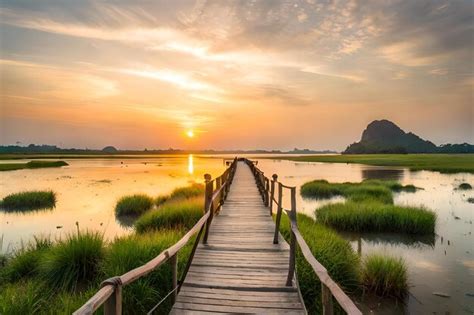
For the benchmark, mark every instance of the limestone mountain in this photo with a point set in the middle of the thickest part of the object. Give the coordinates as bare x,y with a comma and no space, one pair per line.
383,136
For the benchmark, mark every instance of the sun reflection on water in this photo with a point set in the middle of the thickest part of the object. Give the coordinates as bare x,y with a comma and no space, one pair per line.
190,164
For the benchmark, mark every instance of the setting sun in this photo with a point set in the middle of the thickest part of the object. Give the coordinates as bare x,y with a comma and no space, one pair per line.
190,133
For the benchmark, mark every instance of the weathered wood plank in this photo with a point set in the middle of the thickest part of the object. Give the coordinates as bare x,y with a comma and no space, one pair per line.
240,270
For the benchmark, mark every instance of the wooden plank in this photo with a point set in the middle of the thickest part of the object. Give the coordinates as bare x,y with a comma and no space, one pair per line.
240,270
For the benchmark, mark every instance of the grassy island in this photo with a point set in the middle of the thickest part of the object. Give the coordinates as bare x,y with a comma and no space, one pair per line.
29,200
31,165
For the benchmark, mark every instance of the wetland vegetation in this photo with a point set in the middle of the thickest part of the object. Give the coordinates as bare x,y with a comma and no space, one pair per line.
47,276
31,165
29,200
443,163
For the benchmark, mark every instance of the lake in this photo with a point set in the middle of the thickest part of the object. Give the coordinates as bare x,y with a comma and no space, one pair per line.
88,189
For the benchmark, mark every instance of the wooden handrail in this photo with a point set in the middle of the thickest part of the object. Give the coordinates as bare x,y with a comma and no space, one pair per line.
329,288
110,294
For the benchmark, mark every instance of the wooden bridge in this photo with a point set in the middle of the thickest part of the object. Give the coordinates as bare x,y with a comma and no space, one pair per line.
242,265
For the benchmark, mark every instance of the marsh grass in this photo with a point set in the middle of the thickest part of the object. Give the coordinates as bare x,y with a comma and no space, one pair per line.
194,190
74,261
28,297
374,216
31,165
464,186
24,262
29,200
444,163
129,252
178,214
133,205
332,251
385,276
380,190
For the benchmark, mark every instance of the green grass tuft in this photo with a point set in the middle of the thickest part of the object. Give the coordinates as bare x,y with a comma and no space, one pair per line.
133,205
194,190
74,261
332,251
373,216
380,190
385,275
464,186
172,215
29,200
30,297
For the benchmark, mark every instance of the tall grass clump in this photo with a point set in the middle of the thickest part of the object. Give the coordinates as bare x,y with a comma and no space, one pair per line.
29,297
367,189
133,205
129,252
74,261
194,190
180,214
29,200
385,275
332,251
25,261
374,216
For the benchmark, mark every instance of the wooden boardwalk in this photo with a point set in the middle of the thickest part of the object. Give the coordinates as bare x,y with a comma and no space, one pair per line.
240,270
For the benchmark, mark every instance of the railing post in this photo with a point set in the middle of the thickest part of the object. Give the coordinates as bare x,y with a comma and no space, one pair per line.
174,277
272,191
267,191
113,305
219,198
292,218
278,217
207,204
326,296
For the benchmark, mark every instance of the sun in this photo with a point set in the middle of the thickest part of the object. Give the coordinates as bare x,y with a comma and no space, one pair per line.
190,133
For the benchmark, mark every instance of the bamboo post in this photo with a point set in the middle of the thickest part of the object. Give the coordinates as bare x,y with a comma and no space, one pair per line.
272,191
292,218
207,205
174,273
326,296
278,218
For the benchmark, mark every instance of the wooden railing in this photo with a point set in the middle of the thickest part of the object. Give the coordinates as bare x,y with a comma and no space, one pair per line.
329,288
110,293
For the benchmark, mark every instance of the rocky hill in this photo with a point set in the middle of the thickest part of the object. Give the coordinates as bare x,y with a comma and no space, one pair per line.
383,136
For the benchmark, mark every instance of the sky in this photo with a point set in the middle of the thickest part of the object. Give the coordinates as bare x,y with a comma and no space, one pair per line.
238,74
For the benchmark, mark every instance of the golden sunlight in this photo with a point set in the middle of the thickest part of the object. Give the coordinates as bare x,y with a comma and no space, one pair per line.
190,134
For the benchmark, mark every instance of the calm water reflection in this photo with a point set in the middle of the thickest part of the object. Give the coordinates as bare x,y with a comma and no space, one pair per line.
88,190
441,263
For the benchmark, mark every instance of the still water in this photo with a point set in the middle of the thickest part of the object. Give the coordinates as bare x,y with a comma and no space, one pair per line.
88,189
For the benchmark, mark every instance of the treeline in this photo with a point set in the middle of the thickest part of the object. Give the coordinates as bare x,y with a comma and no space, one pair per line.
52,149
370,148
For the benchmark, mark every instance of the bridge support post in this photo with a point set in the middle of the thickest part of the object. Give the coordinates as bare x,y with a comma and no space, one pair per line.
279,210
207,204
292,218
113,305
272,191
327,300
174,277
